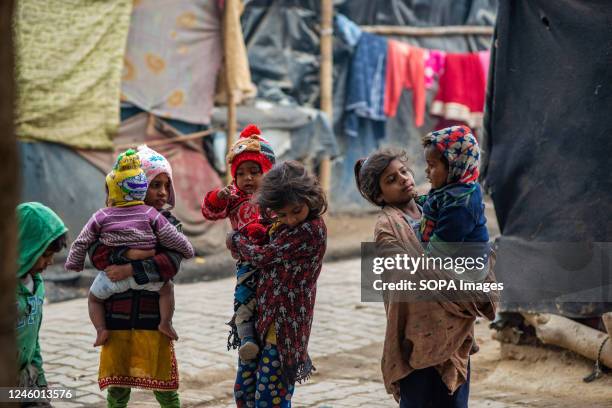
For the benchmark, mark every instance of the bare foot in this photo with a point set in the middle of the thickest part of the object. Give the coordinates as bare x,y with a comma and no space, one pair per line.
101,337
167,329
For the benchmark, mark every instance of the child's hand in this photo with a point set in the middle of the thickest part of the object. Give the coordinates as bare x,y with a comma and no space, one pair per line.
224,193
119,272
139,254
256,232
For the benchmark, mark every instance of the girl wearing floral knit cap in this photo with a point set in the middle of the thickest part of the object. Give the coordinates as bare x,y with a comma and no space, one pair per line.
249,159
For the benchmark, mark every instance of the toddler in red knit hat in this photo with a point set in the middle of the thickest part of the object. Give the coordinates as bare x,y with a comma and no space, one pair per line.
249,159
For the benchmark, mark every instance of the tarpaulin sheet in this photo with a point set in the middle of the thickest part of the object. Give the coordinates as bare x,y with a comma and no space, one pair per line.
234,73
548,133
419,12
300,133
69,56
172,58
58,177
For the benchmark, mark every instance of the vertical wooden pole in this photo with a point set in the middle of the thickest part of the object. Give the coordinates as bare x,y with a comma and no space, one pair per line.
9,183
326,79
231,7
231,127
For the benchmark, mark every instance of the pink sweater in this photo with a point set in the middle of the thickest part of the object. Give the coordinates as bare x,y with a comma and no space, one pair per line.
138,227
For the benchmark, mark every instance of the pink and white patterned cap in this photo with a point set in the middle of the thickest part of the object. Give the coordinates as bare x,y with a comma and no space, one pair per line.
154,164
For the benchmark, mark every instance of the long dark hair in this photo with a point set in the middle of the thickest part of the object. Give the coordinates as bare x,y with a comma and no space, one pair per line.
369,170
290,183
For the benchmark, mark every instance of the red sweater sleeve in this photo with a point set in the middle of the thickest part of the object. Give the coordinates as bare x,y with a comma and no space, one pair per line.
101,256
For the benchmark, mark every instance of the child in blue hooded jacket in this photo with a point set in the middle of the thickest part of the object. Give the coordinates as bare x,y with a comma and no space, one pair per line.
453,211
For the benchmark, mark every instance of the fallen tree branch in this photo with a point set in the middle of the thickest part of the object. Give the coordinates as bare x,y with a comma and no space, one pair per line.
568,334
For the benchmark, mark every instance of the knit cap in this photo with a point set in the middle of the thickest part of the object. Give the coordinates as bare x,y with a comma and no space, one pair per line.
251,147
154,164
127,183
459,146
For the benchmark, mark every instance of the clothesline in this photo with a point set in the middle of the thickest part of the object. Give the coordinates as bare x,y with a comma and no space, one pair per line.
428,31
382,68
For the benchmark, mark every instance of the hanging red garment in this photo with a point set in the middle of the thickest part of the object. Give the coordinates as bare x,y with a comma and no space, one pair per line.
461,91
405,69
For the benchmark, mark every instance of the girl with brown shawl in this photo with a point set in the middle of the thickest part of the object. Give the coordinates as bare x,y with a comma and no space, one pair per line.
427,344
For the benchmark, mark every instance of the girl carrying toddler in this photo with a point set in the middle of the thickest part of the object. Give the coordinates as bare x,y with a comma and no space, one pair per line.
427,344
127,222
289,261
137,354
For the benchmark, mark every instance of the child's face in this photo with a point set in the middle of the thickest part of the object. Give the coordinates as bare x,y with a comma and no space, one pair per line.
293,214
437,169
396,184
248,176
158,191
42,262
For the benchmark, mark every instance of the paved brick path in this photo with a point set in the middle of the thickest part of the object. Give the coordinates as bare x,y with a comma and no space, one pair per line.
345,346
342,324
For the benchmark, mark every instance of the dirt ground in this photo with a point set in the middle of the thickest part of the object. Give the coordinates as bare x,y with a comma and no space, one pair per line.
542,377
503,376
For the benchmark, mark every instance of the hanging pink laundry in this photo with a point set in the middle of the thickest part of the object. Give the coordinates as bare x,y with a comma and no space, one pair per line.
434,65
485,59
461,91
405,69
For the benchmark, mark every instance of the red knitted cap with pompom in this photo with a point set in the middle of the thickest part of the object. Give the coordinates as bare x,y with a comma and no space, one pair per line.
250,130
251,147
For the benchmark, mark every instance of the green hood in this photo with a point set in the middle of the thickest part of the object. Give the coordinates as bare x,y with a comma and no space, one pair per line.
38,227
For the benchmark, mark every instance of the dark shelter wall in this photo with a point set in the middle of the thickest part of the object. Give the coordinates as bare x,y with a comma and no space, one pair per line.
548,139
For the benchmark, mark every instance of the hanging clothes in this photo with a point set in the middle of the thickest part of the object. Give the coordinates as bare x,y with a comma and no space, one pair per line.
485,59
366,87
405,69
461,91
434,66
348,30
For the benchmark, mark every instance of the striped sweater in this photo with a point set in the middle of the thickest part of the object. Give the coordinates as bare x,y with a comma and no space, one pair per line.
138,227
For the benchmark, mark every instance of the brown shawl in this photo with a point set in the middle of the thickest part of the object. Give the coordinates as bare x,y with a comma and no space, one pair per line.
428,333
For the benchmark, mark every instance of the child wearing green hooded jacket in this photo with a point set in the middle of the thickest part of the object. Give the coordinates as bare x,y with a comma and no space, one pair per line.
41,234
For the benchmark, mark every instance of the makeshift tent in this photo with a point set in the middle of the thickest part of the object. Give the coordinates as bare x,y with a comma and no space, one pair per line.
282,38
547,163
171,63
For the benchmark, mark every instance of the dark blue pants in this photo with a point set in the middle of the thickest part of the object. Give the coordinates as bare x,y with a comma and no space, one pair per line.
424,388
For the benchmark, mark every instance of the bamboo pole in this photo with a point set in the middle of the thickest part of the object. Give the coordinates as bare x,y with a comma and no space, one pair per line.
326,78
231,125
428,31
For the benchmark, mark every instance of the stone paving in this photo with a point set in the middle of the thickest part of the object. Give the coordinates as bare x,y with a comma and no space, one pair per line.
342,324
345,346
